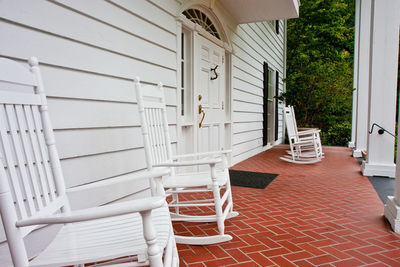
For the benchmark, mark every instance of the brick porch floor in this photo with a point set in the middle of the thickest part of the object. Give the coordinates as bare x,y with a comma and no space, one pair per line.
326,214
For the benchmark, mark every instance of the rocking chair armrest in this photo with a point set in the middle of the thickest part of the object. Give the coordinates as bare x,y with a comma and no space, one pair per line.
306,129
208,161
219,152
308,132
110,210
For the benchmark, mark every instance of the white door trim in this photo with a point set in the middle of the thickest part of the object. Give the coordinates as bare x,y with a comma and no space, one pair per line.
195,31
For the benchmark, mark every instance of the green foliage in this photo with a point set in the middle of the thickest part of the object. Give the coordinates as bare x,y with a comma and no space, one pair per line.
338,134
320,66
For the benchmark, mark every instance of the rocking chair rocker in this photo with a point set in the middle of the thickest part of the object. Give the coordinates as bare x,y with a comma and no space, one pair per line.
33,193
152,109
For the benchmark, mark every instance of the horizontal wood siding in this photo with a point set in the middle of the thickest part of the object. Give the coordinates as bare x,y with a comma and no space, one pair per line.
253,44
89,53
91,50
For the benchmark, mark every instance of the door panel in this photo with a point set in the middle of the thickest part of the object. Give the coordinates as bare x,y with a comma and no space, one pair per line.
210,95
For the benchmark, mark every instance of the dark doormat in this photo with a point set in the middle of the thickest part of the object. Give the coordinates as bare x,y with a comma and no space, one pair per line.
258,180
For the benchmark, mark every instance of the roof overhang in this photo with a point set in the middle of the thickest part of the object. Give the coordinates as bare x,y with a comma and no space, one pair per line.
246,11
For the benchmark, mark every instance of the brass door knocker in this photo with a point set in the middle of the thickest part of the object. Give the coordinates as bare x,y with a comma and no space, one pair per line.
215,73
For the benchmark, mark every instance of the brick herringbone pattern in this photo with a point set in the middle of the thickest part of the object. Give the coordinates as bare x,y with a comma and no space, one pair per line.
326,214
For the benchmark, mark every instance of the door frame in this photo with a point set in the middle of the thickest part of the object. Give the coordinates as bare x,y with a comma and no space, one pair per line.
184,24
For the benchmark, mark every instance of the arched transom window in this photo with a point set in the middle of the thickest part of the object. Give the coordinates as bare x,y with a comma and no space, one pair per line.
200,18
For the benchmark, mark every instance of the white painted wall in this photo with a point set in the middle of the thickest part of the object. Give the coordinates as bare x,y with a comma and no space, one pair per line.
89,52
253,44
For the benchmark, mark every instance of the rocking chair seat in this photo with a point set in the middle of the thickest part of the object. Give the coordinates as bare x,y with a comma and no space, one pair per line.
111,237
194,179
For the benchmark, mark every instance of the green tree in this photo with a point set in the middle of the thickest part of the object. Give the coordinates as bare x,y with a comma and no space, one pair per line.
320,67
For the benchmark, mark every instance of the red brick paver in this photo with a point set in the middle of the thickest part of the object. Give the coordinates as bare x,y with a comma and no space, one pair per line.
326,214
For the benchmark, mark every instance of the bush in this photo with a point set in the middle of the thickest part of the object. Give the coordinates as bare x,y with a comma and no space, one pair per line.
337,135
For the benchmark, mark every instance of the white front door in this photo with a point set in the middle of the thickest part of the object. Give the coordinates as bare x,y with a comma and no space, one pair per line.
209,96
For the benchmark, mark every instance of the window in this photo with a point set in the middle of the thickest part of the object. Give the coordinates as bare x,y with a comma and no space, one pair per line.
186,95
200,18
269,107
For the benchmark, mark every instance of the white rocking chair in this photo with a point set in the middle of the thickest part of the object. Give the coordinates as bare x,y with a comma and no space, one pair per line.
305,146
152,109
308,133
33,194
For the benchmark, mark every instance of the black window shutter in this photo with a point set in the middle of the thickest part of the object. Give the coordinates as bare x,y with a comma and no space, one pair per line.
276,104
277,26
265,101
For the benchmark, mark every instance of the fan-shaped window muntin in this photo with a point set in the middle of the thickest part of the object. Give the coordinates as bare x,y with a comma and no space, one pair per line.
201,19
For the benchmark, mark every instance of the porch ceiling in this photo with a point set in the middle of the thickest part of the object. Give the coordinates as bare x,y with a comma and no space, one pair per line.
246,11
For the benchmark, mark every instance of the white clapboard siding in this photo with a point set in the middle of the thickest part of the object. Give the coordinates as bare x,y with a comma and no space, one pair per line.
89,31
58,51
247,107
81,142
240,74
83,85
82,197
270,39
111,14
251,49
146,10
243,93
247,126
250,41
243,60
246,117
247,136
89,53
95,167
71,113
247,146
170,6
253,44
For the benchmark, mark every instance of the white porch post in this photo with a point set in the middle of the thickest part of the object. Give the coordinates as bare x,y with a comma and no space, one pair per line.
362,85
392,207
352,142
382,87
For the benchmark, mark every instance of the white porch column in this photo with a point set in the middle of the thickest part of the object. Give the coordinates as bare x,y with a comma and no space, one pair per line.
362,86
383,87
352,142
392,207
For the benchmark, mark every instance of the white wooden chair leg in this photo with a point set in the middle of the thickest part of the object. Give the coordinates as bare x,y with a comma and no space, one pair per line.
150,235
217,201
175,198
175,257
